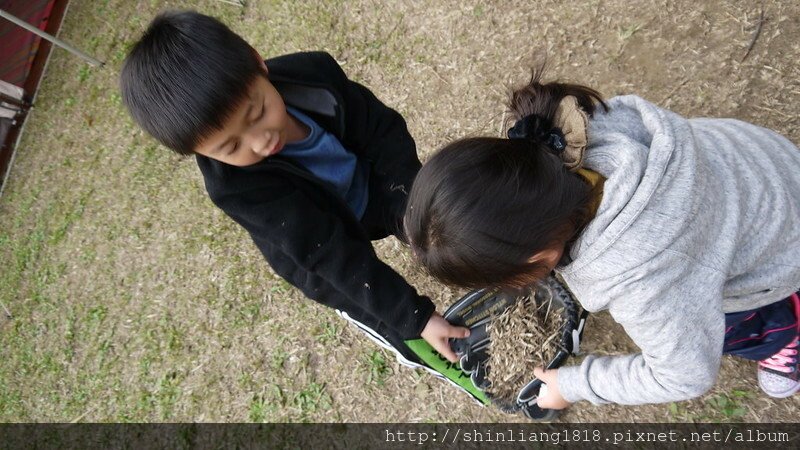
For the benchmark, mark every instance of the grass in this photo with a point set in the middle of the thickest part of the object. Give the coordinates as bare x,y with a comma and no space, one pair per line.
329,333
730,406
134,299
627,32
260,409
278,359
377,368
311,399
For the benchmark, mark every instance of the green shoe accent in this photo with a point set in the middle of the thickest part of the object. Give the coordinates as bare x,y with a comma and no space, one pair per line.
449,370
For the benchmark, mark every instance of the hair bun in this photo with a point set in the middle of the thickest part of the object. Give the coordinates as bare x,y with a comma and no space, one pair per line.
532,127
567,139
536,128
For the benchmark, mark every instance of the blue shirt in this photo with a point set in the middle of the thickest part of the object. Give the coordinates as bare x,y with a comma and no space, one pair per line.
325,157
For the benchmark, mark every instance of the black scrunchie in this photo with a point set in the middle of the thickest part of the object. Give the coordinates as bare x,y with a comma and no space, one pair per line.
535,128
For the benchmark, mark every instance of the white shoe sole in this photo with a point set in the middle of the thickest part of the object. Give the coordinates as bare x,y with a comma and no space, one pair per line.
784,394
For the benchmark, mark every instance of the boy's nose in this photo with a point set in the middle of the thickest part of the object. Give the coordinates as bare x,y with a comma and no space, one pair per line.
258,143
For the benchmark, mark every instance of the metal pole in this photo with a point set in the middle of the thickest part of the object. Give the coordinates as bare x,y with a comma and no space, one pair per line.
50,38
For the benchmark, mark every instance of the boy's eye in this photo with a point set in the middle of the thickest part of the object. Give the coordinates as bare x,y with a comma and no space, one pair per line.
234,148
261,114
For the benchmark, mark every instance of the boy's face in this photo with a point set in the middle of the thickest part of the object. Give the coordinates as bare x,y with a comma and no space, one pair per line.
256,129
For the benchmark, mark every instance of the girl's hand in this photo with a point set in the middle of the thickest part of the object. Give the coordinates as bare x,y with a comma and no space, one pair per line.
438,330
552,398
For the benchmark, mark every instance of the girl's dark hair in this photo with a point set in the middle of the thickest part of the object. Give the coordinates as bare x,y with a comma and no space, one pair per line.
482,207
185,76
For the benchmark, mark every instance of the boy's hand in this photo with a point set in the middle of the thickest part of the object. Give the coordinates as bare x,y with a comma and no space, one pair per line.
549,398
438,330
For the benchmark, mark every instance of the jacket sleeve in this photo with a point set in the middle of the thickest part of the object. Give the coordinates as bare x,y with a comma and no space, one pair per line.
315,240
678,325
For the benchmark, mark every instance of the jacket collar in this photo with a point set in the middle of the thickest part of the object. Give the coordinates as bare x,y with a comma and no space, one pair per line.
320,100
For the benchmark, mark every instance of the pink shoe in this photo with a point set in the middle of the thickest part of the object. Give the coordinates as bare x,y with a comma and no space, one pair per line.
778,374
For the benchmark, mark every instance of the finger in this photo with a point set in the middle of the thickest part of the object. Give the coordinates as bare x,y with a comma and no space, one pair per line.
544,402
543,390
444,349
546,376
457,332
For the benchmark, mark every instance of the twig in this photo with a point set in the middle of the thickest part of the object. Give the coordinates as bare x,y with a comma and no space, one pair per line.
733,17
755,36
232,2
772,110
8,313
435,72
501,132
78,419
673,91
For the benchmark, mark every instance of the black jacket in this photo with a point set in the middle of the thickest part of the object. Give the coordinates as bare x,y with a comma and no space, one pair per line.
306,232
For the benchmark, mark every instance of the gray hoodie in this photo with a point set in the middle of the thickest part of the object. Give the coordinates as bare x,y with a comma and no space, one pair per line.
699,217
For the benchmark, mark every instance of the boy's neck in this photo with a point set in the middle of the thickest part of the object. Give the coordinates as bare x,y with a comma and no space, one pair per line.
297,130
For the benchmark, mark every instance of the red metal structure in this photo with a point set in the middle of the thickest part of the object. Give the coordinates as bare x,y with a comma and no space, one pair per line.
22,60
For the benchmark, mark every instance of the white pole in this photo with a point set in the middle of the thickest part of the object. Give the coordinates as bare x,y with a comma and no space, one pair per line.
50,38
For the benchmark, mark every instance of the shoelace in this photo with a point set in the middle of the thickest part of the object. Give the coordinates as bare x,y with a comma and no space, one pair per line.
783,361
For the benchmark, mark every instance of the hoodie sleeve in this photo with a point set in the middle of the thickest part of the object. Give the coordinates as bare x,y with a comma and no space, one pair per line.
674,315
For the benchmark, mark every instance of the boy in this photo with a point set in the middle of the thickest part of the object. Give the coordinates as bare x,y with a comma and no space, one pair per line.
312,164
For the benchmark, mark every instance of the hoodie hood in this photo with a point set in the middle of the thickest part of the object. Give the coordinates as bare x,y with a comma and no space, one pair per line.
685,187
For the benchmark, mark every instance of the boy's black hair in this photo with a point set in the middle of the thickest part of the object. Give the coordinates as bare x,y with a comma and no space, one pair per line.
185,76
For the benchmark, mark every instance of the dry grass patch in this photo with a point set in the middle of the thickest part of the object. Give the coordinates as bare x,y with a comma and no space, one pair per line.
524,337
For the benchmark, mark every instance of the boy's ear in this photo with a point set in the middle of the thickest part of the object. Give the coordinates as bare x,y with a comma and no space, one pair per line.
260,60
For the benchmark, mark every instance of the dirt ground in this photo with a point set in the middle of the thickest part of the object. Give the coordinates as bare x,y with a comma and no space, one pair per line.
135,299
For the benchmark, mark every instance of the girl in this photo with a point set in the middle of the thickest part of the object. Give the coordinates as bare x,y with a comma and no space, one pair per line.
686,230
